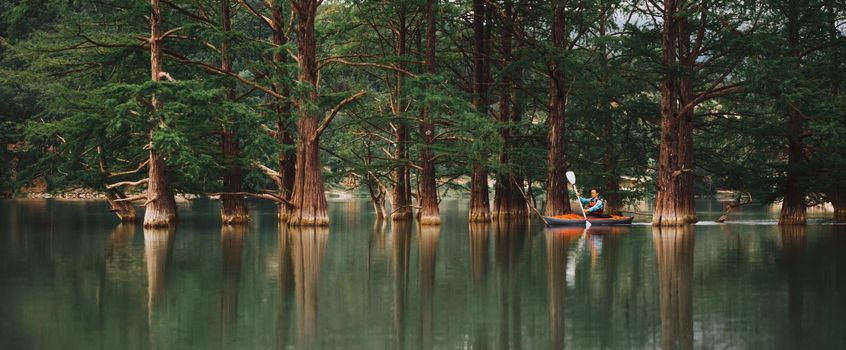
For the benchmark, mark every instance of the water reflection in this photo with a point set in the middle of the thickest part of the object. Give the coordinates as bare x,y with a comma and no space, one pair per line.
793,240
674,257
158,243
286,286
400,249
479,233
557,244
232,245
429,236
510,238
308,247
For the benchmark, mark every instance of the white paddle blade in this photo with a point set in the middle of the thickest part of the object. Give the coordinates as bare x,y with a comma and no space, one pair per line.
587,224
571,177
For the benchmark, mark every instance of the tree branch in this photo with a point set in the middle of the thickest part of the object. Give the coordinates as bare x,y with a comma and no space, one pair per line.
127,183
334,111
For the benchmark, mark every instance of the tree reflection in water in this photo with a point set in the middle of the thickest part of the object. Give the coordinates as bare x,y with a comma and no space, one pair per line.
509,241
308,247
479,233
674,257
400,248
557,245
158,244
793,240
286,286
232,247
428,236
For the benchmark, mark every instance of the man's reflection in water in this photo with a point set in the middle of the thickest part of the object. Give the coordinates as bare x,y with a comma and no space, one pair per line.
674,257
232,246
400,249
509,241
308,246
479,233
793,240
557,245
429,236
158,243
286,286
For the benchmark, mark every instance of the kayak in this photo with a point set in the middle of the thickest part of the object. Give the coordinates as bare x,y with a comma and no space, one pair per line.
578,220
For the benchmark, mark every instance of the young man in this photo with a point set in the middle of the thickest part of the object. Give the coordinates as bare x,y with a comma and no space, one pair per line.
593,205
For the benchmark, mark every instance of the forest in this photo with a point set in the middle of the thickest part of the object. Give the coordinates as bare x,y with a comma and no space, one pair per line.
409,101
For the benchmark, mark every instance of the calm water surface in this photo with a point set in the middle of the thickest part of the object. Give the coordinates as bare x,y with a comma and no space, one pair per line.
72,278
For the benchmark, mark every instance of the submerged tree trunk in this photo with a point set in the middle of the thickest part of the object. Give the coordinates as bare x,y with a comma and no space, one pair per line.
557,199
793,207
479,206
674,202
160,205
308,202
508,201
284,133
429,213
233,208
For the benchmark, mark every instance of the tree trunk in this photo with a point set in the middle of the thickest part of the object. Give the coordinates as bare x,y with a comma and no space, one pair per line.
508,201
429,213
479,235
124,210
793,208
428,251
233,208
674,202
308,202
611,189
308,247
160,205
674,257
401,195
837,194
232,248
479,206
284,133
557,198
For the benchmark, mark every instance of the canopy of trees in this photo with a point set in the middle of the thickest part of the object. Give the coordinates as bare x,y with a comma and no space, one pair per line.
410,100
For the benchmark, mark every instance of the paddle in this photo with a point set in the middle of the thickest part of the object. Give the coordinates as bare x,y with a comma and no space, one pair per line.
571,177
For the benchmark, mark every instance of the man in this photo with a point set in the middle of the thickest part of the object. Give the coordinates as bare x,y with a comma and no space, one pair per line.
593,205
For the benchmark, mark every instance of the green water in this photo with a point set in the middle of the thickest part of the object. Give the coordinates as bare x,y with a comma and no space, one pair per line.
72,278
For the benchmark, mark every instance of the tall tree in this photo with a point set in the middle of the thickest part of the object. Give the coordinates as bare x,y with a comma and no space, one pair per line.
429,213
160,203
557,198
233,208
479,207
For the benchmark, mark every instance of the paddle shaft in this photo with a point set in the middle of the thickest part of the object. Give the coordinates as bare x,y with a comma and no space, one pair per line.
579,198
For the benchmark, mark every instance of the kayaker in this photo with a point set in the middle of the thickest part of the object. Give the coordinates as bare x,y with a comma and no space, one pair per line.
593,205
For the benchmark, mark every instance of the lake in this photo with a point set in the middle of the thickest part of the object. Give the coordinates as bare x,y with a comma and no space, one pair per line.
71,277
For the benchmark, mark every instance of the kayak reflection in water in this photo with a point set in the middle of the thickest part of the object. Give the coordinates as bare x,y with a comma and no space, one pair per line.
593,205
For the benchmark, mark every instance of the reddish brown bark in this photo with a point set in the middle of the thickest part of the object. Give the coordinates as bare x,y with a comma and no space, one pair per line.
284,133
674,202
401,193
160,205
793,210
233,208
611,189
557,198
674,258
508,200
479,200
429,213
308,202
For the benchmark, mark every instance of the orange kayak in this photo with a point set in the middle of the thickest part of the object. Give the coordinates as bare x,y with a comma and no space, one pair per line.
579,220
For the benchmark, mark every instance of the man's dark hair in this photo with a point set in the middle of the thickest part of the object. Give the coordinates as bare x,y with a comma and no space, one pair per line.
595,189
